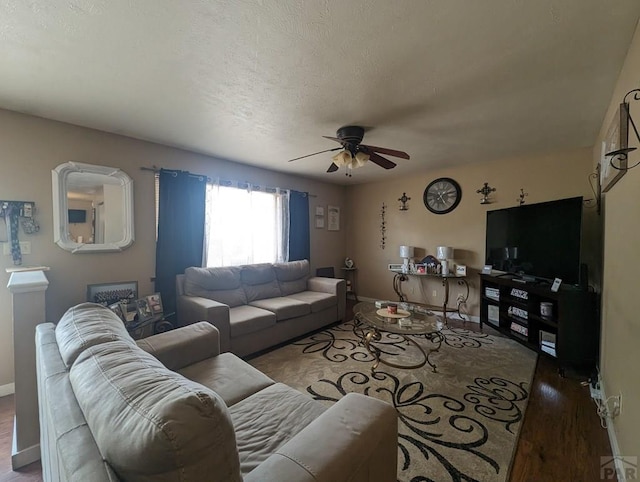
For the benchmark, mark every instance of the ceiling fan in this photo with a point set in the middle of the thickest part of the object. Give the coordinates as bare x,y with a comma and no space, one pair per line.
353,154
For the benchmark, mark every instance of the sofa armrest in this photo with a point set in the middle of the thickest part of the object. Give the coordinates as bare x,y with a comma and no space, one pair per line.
183,346
192,309
355,439
325,285
334,286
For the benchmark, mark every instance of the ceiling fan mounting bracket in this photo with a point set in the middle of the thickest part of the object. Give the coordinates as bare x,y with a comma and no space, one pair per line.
351,136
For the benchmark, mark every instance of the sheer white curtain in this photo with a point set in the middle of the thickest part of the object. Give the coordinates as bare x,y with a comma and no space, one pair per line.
246,225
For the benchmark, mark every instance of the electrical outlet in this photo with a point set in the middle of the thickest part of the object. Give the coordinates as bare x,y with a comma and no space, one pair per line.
435,293
616,408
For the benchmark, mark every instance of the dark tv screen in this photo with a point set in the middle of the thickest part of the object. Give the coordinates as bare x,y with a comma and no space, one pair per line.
537,240
77,216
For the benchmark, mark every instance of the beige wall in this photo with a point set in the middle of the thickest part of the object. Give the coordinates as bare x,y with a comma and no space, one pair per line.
545,177
32,147
620,344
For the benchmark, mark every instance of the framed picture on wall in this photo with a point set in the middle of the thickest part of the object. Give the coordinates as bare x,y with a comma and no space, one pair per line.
319,217
333,218
617,137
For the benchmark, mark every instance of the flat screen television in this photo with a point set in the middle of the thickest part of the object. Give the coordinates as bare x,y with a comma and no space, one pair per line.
537,241
77,216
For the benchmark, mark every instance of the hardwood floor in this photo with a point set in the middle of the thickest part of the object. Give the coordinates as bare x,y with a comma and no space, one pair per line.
561,438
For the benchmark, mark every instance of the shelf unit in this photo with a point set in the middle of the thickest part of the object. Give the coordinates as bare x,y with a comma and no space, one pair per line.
571,334
350,278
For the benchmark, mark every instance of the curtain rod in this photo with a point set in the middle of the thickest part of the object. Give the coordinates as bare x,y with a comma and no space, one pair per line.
156,170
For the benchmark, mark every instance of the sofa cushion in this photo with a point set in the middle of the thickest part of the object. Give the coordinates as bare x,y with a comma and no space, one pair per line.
317,300
152,423
219,284
86,325
247,319
292,276
267,420
259,281
228,376
283,307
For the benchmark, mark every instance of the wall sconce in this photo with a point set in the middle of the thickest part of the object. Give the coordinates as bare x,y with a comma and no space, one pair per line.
485,191
622,154
403,202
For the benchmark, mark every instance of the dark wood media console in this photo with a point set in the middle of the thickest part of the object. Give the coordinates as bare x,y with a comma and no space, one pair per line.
565,328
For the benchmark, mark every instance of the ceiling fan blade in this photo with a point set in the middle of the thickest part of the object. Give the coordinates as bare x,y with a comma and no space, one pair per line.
381,161
309,155
389,152
333,167
334,139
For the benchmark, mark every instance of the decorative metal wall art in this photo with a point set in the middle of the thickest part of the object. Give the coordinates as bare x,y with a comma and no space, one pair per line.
486,190
383,226
11,212
403,202
520,199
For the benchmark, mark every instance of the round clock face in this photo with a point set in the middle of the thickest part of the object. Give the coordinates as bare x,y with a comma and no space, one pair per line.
442,195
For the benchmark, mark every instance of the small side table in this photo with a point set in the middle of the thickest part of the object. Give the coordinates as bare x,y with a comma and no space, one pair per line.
350,278
152,326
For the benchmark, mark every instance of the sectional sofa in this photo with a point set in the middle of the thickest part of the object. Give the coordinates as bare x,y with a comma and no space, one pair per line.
258,306
171,407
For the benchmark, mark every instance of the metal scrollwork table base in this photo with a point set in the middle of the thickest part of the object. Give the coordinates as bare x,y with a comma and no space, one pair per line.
369,327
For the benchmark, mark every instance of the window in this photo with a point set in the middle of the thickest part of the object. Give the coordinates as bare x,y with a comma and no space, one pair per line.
245,225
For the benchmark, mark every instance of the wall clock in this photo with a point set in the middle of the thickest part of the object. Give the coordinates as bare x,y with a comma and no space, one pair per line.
442,195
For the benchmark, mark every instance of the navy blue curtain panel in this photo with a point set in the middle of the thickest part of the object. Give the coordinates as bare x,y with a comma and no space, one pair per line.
299,244
181,219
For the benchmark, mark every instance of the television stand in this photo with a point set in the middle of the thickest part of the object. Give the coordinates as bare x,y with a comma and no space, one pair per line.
570,334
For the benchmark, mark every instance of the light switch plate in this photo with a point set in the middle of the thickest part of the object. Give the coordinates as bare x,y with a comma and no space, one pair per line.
25,247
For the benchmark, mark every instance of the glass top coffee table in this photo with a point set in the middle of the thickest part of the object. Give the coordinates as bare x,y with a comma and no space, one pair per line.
371,322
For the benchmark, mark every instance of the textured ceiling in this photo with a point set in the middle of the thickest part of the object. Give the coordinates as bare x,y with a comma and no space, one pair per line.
259,82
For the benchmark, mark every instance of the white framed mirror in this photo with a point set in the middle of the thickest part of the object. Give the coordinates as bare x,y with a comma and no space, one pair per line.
92,208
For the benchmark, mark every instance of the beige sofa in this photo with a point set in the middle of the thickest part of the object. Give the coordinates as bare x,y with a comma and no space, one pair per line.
258,306
172,408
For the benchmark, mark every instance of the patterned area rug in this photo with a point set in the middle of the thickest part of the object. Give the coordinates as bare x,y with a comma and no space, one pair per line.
460,423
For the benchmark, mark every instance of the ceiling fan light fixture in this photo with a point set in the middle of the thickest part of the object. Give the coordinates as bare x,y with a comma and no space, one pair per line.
342,158
360,160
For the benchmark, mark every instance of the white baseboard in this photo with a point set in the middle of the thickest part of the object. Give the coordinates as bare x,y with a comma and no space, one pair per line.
364,298
452,315
23,457
8,389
